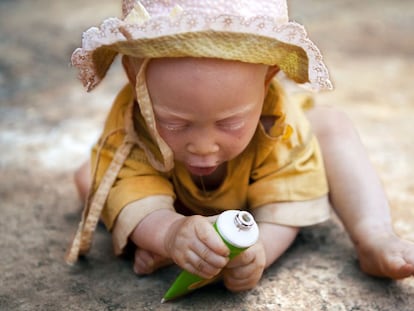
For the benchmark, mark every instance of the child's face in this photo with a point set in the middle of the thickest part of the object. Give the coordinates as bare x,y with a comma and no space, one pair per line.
206,110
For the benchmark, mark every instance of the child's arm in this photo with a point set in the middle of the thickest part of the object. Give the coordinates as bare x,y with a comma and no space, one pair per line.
359,198
356,191
191,242
245,270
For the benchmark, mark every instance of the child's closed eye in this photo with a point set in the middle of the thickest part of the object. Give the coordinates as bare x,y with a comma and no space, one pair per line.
231,125
174,126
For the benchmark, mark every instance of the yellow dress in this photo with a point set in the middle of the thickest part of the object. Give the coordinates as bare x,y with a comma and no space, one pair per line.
283,164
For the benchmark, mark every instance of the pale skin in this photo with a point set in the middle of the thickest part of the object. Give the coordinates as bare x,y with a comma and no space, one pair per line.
205,135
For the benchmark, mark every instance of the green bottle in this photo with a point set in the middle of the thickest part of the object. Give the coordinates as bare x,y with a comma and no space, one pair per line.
238,230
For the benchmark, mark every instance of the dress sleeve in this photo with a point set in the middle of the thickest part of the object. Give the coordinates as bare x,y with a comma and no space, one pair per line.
136,180
289,168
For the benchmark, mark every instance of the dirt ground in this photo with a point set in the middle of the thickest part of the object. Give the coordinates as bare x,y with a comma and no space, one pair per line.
47,123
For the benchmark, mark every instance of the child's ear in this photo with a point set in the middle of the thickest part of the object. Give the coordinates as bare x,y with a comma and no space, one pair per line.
271,72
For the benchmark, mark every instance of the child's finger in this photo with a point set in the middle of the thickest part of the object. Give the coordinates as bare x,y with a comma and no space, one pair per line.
208,255
209,237
243,272
238,285
196,265
243,259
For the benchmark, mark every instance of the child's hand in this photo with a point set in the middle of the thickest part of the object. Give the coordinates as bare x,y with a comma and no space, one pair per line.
244,271
195,246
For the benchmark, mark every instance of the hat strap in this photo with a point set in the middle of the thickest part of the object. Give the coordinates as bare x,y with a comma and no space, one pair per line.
82,241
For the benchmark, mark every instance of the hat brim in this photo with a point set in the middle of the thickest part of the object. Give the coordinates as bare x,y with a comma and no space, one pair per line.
286,46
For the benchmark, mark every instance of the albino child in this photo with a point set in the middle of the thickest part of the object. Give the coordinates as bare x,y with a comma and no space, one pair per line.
203,126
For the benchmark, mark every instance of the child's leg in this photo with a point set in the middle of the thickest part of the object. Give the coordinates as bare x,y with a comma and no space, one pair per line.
82,179
358,197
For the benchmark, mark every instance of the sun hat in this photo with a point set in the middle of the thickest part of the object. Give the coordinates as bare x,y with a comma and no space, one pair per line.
244,30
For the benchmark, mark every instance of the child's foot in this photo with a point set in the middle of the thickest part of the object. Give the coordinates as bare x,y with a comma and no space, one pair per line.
386,256
146,262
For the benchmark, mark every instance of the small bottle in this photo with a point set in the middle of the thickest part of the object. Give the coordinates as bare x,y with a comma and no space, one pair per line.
238,231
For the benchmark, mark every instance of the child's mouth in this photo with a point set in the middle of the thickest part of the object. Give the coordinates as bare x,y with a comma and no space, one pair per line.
201,171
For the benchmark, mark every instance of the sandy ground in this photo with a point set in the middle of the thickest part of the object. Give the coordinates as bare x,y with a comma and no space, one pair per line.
47,123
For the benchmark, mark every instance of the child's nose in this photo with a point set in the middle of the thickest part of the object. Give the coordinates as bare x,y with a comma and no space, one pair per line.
203,146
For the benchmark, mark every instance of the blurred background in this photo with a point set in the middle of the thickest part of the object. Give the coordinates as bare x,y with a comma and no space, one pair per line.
48,122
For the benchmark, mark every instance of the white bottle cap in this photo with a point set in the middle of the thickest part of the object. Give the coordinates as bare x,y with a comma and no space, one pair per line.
238,228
